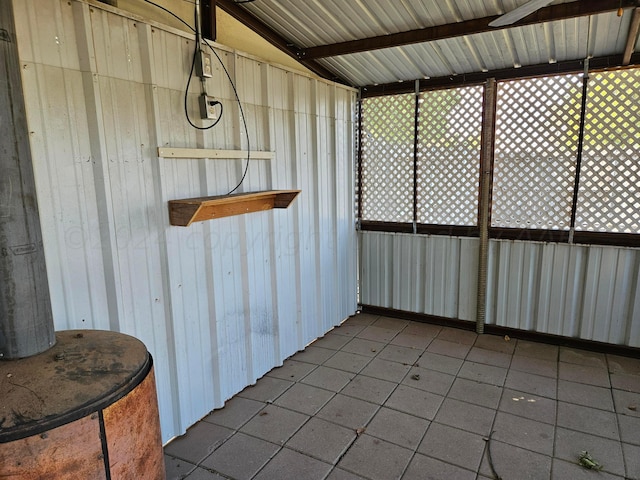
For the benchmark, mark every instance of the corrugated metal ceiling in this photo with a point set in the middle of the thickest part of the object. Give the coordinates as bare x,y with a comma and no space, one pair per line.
314,23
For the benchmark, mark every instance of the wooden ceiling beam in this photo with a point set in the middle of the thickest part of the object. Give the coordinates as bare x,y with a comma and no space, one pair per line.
632,36
273,37
476,78
468,27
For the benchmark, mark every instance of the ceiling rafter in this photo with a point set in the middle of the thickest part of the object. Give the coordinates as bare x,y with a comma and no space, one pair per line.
467,27
569,66
634,27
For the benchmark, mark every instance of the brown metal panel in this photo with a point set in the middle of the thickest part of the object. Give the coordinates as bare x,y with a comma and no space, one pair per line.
72,451
132,428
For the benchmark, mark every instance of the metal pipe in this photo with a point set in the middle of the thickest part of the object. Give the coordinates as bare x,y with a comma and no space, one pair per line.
26,320
486,168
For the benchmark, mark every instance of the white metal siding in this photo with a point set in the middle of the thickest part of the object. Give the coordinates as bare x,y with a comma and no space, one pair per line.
583,291
219,303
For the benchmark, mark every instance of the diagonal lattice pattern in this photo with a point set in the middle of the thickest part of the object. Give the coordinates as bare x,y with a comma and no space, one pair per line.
387,158
609,193
537,130
449,133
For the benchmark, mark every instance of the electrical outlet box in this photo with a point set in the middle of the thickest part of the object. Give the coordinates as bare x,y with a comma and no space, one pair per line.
208,109
203,65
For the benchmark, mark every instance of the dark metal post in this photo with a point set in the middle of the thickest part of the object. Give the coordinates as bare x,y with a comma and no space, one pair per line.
26,321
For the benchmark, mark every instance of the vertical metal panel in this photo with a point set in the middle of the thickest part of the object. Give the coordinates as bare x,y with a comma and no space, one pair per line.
583,291
220,303
430,274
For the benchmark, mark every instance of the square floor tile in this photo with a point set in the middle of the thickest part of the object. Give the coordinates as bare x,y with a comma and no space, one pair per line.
274,424
626,403
572,471
496,343
629,429
429,380
347,411
512,462
331,341
569,444
482,394
241,456
385,370
376,459
415,402
588,420
397,427
524,433
349,362
451,349
587,395
411,340
202,474
363,346
176,468
625,365
527,405
453,445
537,366
267,389
632,460
378,334
466,416
290,465
322,440
537,350
483,373
423,329
583,374
396,353
314,355
489,357
440,363
328,378
583,357
348,330
391,323
200,440
339,474
623,381
305,399
369,389
291,370
361,319
530,383
235,413
427,468
457,335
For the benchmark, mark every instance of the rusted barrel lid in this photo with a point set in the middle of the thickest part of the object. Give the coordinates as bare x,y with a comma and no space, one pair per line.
84,372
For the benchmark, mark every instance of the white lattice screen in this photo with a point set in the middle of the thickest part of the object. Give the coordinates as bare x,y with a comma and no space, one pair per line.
537,129
387,158
450,127
609,194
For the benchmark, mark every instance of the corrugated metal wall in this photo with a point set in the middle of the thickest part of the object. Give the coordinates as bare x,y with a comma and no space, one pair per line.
584,291
219,303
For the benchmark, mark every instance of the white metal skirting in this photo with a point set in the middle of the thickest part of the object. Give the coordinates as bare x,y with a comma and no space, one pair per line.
582,291
220,303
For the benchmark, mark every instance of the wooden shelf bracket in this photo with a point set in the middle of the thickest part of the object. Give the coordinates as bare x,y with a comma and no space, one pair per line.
184,212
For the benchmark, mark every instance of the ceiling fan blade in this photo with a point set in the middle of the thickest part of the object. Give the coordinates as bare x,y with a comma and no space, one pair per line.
522,11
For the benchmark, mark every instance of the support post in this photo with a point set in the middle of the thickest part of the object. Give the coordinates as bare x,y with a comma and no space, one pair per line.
484,219
26,320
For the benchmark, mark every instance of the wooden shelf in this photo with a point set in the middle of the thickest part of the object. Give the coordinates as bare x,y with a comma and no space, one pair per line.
184,212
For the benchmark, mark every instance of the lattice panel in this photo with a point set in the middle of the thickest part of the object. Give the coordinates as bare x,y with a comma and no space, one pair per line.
450,126
609,194
537,129
387,158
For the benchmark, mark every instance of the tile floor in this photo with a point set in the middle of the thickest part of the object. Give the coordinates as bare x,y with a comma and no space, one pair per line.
381,399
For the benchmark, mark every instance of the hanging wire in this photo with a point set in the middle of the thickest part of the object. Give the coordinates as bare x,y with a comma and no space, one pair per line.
233,86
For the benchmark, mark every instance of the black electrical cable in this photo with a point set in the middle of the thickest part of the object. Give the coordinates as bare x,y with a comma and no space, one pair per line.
233,86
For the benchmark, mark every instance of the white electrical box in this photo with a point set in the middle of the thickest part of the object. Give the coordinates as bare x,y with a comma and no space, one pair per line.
208,107
203,65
